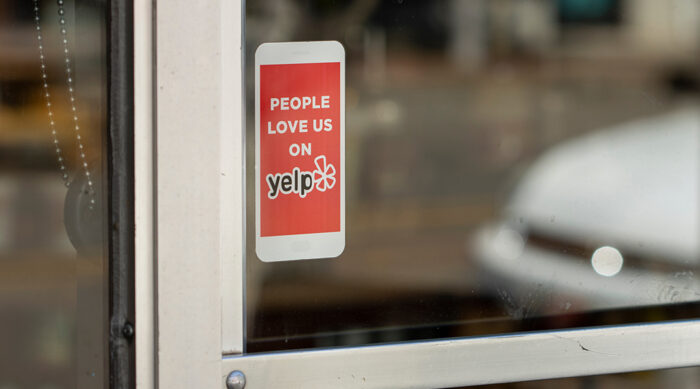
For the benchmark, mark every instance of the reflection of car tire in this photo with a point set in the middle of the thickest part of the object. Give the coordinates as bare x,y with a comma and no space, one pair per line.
83,224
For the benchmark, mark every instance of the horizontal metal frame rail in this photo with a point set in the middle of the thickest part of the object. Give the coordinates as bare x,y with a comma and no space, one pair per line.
473,361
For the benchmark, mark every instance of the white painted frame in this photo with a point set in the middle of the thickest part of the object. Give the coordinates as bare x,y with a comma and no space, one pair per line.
144,239
475,361
189,160
189,151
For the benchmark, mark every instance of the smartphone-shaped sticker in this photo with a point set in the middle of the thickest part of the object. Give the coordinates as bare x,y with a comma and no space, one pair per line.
299,150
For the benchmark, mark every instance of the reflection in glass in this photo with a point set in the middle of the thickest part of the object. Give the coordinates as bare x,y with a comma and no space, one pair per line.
492,147
53,297
607,261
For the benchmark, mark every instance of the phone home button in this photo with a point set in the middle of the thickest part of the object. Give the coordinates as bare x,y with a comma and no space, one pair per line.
300,245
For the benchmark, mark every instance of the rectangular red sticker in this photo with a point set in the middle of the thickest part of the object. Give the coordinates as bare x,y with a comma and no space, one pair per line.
299,148
300,142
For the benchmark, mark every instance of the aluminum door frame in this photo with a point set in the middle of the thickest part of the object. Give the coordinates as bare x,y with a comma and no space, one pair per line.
190,217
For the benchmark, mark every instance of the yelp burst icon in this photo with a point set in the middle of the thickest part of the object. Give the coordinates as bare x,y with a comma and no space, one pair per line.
324,175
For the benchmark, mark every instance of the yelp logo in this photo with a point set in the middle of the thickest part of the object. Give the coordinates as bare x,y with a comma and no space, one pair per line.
302,182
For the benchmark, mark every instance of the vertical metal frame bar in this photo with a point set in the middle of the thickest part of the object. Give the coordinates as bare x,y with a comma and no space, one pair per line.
144,211
198,188
233,177
189,191
121,194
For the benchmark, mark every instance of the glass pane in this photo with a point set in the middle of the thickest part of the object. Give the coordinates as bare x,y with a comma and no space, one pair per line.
512,165
53,296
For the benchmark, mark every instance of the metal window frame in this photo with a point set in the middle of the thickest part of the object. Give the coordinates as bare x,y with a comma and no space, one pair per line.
188,155
479,360
121,194
144,198
189,211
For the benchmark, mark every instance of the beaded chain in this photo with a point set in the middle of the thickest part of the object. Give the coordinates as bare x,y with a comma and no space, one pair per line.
71,96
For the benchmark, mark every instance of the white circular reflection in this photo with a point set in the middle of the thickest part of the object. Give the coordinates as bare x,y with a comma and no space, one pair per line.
607,261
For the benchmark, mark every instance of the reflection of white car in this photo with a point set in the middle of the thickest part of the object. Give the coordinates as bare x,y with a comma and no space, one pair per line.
633,189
